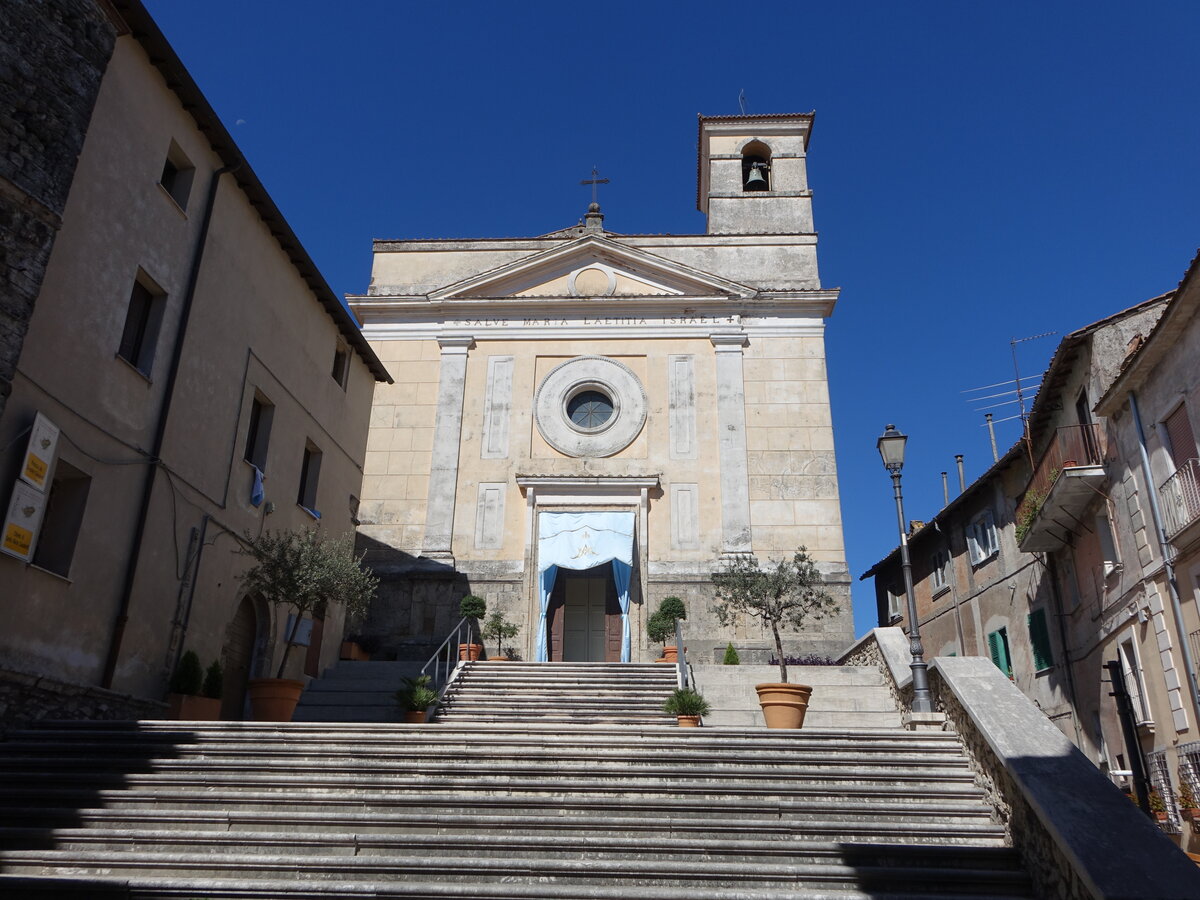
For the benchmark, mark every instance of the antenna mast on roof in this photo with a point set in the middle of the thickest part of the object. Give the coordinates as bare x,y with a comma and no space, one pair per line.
742,100
1020,394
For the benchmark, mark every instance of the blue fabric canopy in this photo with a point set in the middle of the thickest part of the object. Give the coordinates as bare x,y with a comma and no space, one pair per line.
577,541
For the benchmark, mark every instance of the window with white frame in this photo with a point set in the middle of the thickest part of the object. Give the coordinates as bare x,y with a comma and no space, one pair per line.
981,537
1134,685
939,572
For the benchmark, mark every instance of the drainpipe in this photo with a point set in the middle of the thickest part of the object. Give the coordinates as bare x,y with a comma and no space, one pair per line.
1189,665
1060,615
160,430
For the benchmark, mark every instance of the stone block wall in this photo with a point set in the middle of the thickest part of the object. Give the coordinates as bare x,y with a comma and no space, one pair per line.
53,54
28,698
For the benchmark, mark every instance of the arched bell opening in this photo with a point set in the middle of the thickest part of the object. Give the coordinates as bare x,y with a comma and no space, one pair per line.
756,167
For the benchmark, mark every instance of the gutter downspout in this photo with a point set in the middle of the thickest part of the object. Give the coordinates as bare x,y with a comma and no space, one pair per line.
1189,664
1068,663
160,430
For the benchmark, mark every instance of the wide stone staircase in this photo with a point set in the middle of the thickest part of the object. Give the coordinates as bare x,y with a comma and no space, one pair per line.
517,807
356,691
564,692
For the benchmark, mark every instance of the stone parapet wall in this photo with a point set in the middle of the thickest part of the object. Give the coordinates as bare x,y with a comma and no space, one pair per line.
26,697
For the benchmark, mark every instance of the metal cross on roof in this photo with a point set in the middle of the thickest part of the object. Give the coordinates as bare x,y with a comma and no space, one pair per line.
595,182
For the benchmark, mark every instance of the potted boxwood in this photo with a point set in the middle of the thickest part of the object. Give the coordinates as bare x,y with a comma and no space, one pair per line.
787,593
300,571
415,697
472,609
660,627
688,706
194,696
497,628
1158,806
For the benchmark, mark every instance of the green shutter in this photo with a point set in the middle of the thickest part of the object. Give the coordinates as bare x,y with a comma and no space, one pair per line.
998,646
1039,637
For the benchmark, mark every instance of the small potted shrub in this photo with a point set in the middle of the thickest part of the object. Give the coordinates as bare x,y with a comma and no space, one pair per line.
1187,800
1158,808
497,628
731,656
359,647
789,592
472,609
188,698
415,698
687,705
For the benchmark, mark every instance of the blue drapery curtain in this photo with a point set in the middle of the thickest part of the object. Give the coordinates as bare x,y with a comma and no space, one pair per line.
578,541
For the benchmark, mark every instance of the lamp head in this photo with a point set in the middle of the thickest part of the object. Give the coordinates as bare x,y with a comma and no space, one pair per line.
891,448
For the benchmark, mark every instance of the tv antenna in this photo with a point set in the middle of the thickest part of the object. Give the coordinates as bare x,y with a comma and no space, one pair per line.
742,100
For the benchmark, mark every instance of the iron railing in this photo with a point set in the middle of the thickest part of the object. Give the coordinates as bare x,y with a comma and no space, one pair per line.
1071,446
681,669
447,660
1181,498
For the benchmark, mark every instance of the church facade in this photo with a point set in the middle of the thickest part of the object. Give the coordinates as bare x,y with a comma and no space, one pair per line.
584,422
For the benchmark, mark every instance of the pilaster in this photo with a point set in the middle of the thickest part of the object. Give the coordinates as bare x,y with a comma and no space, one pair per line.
447,434
731,423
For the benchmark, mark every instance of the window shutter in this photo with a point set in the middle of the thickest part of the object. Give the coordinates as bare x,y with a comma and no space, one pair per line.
1039,637
1180,436
996,649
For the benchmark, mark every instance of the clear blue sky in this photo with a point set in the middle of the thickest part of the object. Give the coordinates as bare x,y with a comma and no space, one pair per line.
981,172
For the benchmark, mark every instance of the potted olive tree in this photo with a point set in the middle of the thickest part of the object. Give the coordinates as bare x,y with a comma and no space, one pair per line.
660,627
472,609
301,572
786,594
497,628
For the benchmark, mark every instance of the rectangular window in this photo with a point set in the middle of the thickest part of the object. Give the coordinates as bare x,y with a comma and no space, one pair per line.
341,365
60,524
1108,545
259,433
310,472
981,537
1181,441
1133,679
998,648
939,568
1039,639
177,175
142,321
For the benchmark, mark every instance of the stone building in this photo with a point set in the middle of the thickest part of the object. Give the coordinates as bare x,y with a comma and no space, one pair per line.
181,343
1075,550
662,394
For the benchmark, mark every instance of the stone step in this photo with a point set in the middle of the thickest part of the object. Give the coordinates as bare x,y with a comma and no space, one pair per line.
864,870
101,887
949,828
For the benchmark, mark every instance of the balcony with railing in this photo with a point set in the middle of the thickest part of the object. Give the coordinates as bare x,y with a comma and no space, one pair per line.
1180,498
1065,481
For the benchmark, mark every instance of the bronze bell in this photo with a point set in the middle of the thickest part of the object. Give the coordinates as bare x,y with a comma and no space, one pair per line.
755,179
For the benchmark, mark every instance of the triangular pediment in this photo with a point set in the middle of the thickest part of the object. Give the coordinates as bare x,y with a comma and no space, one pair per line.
592,266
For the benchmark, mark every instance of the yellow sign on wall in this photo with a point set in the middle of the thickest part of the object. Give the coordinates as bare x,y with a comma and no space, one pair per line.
23,521
39,457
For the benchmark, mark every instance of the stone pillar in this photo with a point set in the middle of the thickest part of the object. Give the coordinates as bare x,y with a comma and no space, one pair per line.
731,423
447,434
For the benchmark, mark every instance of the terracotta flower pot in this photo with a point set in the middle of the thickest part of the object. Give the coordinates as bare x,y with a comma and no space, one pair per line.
783,705
194,709
670,654
470,652
351,650
688,721
274,699
415,716
1190,812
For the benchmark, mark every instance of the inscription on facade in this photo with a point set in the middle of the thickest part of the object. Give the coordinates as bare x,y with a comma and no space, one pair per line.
684,318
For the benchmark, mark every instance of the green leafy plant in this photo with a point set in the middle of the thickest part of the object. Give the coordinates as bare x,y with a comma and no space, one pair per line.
301,571
1157,804
687,702
660,627
1187,799
497,628
416,695
214,681
188,677
788,593
673,608
731,655
472,607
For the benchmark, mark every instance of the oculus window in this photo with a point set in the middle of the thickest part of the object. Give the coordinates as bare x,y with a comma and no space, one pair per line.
590,409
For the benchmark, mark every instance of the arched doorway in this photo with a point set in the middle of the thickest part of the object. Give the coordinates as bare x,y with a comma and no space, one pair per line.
244,640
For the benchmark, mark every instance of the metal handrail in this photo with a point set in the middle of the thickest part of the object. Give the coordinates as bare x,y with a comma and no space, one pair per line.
680,661
452,663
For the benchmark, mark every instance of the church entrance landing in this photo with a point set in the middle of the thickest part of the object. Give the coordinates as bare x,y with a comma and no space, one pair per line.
585,617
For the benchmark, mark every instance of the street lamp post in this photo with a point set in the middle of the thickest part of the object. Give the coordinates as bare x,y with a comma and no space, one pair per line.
891,448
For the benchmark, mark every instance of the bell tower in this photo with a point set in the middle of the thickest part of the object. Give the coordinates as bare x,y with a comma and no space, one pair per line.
753,176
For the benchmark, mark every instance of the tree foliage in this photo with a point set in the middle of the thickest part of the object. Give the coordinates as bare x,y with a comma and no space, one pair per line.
731,655
786,594
301,571
497,628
